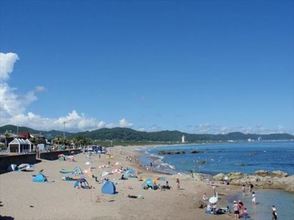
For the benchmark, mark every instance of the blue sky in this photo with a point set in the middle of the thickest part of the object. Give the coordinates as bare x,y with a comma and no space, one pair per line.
196,66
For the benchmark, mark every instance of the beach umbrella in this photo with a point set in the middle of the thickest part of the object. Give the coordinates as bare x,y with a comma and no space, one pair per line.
213,200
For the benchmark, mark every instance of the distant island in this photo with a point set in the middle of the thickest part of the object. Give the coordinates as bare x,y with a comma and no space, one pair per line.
131,136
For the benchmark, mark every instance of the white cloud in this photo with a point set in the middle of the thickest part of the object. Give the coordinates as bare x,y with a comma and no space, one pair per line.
7,61
13,105
13,110
124,123
78,122
40,89
73,121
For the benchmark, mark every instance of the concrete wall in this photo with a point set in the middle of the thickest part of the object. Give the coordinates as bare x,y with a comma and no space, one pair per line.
54,154
6,160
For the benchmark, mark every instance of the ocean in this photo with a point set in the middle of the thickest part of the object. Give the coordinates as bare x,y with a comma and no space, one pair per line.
283,201
233,157
226,157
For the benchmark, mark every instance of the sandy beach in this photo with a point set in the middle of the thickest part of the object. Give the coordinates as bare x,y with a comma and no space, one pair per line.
57,199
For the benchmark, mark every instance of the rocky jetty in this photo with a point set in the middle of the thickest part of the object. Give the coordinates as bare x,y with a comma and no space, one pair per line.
173,152
164,152
196,152
262,178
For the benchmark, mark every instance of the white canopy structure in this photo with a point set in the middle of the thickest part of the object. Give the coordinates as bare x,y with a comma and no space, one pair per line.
19,145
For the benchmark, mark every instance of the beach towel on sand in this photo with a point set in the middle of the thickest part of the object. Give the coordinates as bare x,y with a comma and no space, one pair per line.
40,178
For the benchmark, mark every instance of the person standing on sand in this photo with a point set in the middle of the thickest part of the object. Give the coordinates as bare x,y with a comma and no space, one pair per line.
37,152
214,190
178,183
274,213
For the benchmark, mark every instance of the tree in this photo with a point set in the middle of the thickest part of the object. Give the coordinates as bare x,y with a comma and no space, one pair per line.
7,135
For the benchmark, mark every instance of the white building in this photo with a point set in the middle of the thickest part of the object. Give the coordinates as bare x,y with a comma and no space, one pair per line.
183,139
19,145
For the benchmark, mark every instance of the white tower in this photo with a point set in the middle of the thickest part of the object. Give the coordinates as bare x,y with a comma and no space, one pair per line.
183,139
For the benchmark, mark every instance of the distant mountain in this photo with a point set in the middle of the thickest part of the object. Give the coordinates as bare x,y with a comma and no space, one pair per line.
127,134
47,134
13,129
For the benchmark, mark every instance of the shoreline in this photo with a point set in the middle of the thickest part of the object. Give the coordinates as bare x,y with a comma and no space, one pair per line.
263,179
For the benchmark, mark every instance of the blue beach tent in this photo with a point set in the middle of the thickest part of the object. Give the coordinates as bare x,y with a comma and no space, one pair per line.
39,178
108,188
148,183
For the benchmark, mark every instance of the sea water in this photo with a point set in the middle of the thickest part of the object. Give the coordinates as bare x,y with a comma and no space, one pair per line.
283,201
233,157
227,157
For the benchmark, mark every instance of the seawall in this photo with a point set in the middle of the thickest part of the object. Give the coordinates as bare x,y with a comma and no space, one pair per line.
7,160
54,154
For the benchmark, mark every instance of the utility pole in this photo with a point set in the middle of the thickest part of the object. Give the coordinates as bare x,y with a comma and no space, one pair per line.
64,132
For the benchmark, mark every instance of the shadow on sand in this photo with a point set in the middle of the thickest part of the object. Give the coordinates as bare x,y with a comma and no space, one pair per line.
6,217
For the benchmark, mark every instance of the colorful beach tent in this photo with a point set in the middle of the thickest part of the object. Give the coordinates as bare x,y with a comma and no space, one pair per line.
75,171
148,183
40,178
108,188
82,183
129,173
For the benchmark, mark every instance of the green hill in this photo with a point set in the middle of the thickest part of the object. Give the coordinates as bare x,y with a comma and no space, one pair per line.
127,134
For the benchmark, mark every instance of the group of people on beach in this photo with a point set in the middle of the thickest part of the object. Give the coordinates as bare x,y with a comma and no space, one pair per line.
253,195
240,211
211,203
